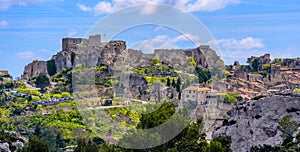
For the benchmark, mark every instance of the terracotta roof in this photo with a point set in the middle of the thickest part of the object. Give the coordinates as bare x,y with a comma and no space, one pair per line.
280,86
255,75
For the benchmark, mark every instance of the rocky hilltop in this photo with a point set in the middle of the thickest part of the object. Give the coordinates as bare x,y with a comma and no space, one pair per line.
255,123
75,49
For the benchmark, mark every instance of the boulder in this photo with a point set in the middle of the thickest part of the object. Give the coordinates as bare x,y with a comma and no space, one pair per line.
255,123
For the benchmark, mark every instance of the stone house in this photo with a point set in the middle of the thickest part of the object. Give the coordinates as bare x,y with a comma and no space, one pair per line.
3,72
254,77
201,95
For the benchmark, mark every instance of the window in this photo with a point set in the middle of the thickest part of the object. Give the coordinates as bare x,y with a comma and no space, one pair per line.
190,91
187,96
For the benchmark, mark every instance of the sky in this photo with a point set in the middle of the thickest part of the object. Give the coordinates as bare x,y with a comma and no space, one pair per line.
33,29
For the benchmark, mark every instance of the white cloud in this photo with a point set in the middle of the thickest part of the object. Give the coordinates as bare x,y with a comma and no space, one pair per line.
72,32
26,55
84,7
105,7
180,38
6,4
239,49
3,24
185,37
208,5
245,43
148,46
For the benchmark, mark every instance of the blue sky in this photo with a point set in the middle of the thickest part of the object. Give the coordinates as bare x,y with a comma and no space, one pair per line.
33,29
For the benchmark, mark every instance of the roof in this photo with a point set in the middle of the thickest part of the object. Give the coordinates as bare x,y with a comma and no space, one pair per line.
255,75
200,89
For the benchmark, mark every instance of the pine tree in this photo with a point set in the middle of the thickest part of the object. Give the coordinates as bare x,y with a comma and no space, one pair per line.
178,85
168,82
173,83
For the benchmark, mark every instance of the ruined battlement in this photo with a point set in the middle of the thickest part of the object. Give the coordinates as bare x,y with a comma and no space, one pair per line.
68,43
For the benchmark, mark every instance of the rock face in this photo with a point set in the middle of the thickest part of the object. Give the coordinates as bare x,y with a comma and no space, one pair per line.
4,147
35,68
203,55
255,123
62,60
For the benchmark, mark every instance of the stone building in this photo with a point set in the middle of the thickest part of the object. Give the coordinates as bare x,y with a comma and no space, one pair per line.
254,77
3,72
201,95
265,59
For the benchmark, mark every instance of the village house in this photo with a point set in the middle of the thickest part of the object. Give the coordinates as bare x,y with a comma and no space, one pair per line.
201,95
254,77
3,72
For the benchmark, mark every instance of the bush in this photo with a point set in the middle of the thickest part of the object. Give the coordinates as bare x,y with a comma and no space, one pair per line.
66,94
296,90
35,98
155,60
57,96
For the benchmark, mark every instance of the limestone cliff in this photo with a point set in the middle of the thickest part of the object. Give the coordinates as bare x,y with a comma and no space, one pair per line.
255,123
33,69
80,51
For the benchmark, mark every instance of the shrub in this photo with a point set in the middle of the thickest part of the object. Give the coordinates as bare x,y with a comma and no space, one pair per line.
155,60
296,90
57,96
66,94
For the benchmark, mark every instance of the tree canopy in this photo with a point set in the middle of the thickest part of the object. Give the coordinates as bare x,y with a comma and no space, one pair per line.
42,81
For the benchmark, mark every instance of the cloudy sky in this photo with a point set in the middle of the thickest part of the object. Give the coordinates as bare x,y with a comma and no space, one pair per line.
33,29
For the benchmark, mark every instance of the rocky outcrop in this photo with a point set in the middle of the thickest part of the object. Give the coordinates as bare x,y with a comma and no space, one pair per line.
62,60
4,147
35,68
138,86
203,55
255,123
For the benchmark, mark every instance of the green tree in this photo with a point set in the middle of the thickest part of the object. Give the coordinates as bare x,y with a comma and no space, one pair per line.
277,61
287,127
215,146
35,145
155,60
203,75
173,83
230,97
168,82
73,55
86,145
9,85
178,84
227,73
255,65
42,81
267,67
192,61
51,67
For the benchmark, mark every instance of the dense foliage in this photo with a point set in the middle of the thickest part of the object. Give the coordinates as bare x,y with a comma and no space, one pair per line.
42,81
51,67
